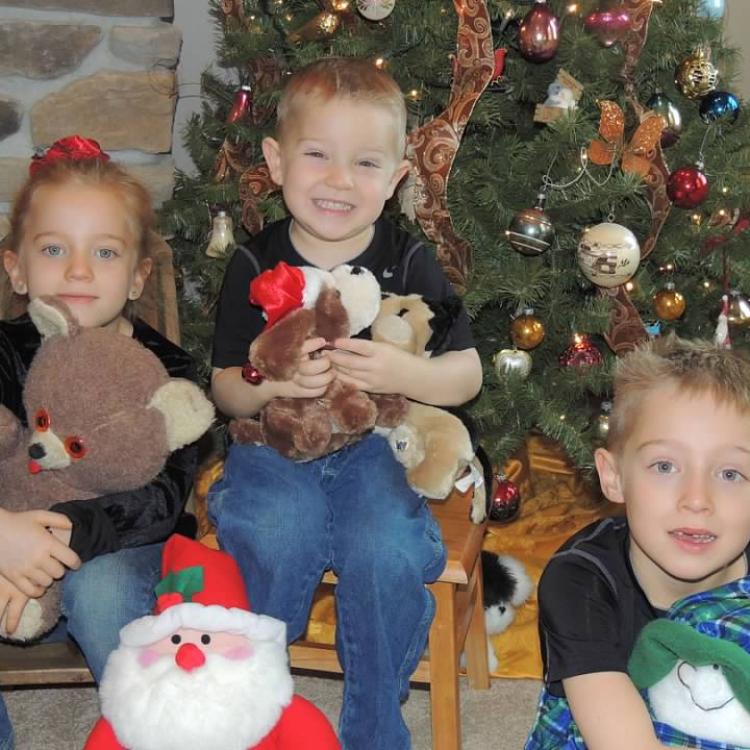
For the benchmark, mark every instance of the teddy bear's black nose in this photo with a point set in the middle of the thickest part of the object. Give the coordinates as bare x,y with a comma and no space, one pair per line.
36,451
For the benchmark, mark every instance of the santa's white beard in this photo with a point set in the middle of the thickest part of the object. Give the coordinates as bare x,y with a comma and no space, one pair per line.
227,704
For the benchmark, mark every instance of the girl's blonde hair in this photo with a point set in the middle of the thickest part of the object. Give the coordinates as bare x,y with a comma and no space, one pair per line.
695,366
354,78
94,172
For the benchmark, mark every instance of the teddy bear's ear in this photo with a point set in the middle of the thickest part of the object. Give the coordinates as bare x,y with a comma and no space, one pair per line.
52,317
187,412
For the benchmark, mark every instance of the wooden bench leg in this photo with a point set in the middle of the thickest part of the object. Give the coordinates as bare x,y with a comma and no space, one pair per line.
444,697
475,647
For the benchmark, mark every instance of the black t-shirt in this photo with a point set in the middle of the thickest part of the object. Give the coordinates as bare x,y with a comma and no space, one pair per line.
401,264
123,519
591,606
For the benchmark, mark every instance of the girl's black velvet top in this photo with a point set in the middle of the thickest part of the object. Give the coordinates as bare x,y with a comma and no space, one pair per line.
124,519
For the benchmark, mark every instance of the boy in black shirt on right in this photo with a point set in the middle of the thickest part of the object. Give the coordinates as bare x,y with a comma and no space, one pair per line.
678,458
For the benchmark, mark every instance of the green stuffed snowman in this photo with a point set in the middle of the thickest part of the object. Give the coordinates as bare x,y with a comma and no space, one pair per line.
693,667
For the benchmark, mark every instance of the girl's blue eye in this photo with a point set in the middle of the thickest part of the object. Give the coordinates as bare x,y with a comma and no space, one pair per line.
663,467
368,163
54,251
105,253
316,154
732,475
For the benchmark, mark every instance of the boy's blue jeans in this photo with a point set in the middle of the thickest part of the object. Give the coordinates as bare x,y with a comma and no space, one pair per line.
352,511
99,598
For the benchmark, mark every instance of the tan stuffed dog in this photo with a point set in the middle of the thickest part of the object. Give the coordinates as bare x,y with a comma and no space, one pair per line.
433,444
103,416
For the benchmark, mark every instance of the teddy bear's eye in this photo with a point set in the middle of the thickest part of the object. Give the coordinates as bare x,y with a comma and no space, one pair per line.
205,639
75,447
403,312
176,639
41,421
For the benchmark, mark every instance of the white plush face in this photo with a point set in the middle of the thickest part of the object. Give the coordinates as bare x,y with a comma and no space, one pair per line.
195,689
699,701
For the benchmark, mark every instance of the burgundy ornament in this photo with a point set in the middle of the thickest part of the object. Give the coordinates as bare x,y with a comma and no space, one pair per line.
539,33
608,26
506,500
243,100
581,353
252,374
688,187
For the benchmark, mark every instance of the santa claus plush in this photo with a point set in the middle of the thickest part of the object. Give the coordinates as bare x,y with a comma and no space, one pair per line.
203,672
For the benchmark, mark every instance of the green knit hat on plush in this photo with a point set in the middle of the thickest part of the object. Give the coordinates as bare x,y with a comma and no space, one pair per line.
712,627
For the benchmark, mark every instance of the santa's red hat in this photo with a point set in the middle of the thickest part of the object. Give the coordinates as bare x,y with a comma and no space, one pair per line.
202,589
284,288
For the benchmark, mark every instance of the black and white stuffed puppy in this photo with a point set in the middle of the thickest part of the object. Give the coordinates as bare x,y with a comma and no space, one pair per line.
507,586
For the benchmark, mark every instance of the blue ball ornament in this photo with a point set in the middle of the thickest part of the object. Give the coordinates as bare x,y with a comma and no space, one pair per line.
712,8
719,106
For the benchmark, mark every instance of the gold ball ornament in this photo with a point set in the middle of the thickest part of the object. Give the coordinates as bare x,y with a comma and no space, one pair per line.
739,310
608,254
601,425
527,331
696,75
669,304
512,362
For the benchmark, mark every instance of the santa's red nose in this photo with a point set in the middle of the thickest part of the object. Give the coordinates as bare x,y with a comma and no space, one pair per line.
189,657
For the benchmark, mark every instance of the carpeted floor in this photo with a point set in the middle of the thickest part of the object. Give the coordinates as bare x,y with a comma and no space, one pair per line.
497,719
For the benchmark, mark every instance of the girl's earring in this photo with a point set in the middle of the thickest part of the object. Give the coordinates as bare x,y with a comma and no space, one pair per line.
20,288
133,295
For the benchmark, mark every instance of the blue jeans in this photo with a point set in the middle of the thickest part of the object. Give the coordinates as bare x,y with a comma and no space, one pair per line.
351,511
99,598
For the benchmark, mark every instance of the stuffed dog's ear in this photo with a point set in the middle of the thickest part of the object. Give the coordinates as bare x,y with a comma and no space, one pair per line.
444,315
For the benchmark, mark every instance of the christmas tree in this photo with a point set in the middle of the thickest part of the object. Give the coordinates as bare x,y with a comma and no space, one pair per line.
580,169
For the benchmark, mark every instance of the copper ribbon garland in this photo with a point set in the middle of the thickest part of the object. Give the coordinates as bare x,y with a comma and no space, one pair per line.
626,329
435,144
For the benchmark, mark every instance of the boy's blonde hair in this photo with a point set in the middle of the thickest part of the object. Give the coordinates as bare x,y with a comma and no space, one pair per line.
693,366
354,78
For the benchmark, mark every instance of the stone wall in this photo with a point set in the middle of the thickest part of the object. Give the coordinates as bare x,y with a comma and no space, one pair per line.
100,68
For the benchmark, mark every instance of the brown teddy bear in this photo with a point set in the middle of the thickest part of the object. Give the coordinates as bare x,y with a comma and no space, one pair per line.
343,302
95,426
433,444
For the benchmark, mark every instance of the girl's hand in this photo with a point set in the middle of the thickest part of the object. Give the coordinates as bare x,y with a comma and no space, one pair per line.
371,366
30,556
12,604
314,372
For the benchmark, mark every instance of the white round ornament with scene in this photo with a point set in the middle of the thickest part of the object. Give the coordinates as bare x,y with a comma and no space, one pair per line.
375,10
608,254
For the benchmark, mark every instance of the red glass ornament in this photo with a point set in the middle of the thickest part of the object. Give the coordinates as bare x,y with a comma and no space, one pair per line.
608,26
687,187
506,500
539,33
243,100
581,353
500,54
252,374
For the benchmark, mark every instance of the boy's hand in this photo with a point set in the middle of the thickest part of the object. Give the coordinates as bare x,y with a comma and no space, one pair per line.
314,372
30,556
371,366
12,603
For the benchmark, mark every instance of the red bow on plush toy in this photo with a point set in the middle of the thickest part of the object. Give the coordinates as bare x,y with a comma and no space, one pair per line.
284,288
70,148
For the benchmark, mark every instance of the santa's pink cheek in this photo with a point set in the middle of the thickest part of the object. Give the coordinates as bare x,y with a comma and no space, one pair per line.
147,657
238,653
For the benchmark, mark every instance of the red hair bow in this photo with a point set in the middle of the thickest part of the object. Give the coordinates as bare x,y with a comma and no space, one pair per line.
71,148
